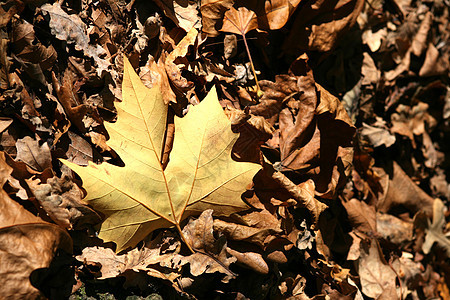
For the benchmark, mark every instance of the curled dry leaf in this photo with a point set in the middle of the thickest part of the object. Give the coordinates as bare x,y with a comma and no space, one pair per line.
12,7
26,243
27,47
159,251
70,28
155,73
61,199
315,130
176,61
236,232
73,108
211,255
251,260
378,134
303,194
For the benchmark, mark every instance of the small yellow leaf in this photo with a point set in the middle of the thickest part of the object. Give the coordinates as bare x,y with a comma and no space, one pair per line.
142,196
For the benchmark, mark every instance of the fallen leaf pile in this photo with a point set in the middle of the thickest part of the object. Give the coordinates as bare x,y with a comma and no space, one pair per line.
224,149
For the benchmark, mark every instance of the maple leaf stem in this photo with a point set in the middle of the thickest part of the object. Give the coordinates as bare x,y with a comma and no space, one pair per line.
258,89
177,225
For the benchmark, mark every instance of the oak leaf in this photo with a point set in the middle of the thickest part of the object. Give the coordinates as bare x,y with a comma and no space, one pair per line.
377,277
434,232
143,196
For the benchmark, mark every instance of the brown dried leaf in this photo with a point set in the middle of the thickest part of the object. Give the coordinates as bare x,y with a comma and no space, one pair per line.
155,73
361,216
211,255
278,12
400,190
26,243
435,63
160,250
419,43
80,151
376,276
33,153
68,99
410,121
251,260
408,272
303,194
319,24
12,7
236,232
394,229
61,199
377,134
239,21
27,47
4,123
176,61
212,12
70,28
182,12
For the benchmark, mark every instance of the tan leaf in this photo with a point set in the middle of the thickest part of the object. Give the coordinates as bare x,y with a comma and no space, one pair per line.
361,216
236,232
61,199
159,251
33,153
251,260
70,28
400,190
182,12
176,61
278,12
434,232
155,73
377,134
211,255
375,275
408,271
26,243
239,21
394,229
212,12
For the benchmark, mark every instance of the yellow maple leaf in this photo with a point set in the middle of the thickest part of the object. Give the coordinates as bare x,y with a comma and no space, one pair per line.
142,196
